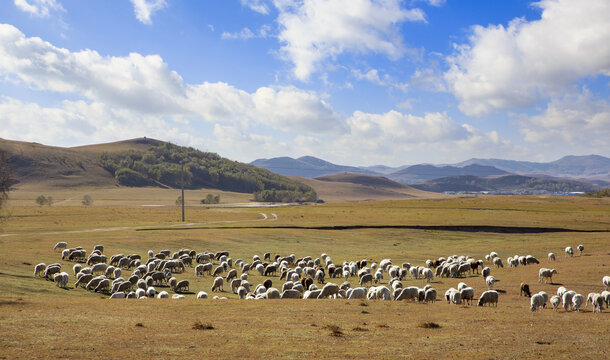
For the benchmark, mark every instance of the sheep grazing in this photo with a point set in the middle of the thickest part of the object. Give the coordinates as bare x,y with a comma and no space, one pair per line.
356,293
577,301
366,278
606,282
569,251
467,295
218,282
181,286
551,256
202,295
163,295
561,290
430,295
544,274
329,290
118,295
291,294
489,297
151,292
39,269
60,246
490,281
536,302
525,289
427,274
555,300
498,262
61,279
566,299
580,249
606,297
485,272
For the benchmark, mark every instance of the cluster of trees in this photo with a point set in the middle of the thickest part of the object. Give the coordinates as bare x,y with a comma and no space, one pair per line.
285,196
211,199
44,200
163,164
604,192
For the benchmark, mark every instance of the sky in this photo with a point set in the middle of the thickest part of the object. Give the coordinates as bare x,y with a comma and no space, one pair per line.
354,82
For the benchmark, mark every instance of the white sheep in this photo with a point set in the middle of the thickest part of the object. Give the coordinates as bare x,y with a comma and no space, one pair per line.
488,297
546,275
606,297
577,301
163,295
455,297
580,249
566,298
467,295
151,292
273,293
177,296
551,256
561,290
312,294
39,269
202,295
217,285
498,262
60,245
569,251
490,281
329,290
536,302
408,293
606,282
427,274
430,295
118,295
555,300
356,293
291,294
242,292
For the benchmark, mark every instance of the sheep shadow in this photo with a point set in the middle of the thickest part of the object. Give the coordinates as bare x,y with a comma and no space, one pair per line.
185,292
501,291
555,283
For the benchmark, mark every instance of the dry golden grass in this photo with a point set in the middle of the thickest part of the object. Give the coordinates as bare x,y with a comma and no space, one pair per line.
39,320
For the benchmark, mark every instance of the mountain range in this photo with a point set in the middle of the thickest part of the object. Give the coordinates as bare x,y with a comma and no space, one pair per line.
594,169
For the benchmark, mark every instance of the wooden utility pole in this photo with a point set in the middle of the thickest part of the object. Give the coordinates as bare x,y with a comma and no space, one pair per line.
182,188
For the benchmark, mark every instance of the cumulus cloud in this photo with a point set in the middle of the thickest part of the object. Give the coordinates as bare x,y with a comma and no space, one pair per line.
313,31
39,8
88,122
145,8
574,118
146,85
517,65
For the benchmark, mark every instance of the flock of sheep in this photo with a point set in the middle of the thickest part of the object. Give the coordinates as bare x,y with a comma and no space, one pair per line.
303,277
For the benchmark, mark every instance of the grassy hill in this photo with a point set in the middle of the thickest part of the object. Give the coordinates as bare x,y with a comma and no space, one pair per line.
516,183
145,162
358,187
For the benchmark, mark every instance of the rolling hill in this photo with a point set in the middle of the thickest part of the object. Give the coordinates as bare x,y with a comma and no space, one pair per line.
507,183
306,166
420,173
362,187
145,162
590,166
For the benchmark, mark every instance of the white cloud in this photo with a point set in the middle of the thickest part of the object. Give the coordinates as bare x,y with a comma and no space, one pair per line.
313,31
518,65
575,119
146,85
81,122
145,8
260,6
246,33
373,77
39,8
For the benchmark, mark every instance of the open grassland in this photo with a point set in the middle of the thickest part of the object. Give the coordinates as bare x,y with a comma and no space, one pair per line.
39,320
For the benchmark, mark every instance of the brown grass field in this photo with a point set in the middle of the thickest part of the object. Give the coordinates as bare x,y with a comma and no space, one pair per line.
40,320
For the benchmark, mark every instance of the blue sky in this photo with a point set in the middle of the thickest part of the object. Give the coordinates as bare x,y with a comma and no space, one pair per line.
356,82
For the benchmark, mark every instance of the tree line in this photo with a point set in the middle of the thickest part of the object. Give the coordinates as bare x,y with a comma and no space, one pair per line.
162,164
